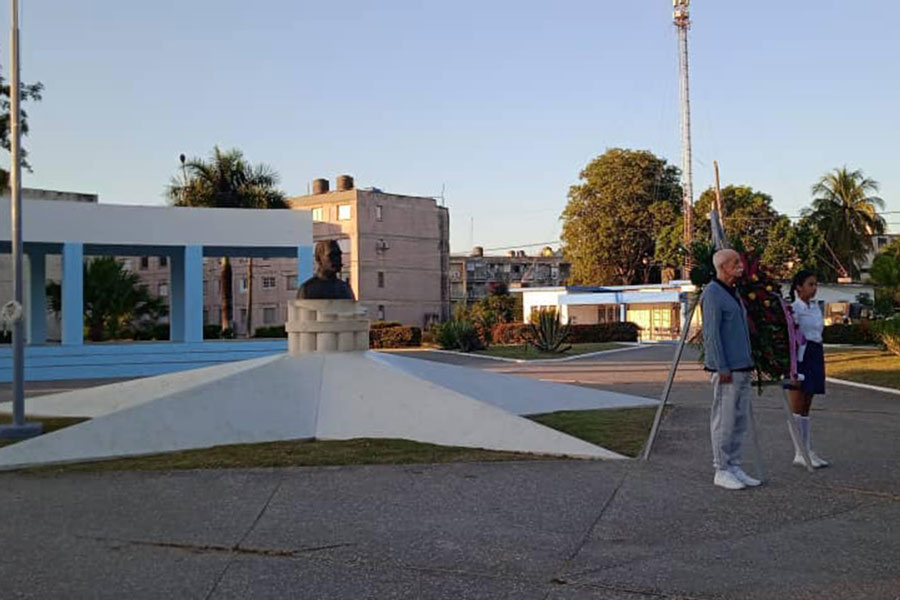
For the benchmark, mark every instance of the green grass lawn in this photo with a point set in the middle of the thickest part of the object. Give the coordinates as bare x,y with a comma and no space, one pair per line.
875,367
529,352
623,431
49,423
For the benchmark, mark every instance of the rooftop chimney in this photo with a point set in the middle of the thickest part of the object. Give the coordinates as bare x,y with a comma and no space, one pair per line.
344,183
320,186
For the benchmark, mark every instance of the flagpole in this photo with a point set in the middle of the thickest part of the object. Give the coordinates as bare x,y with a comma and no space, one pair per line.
13,310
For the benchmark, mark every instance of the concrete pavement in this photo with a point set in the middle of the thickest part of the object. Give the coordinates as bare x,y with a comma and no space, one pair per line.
542,530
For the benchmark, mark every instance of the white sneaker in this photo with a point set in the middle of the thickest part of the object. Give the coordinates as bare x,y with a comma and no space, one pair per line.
727,480
744,478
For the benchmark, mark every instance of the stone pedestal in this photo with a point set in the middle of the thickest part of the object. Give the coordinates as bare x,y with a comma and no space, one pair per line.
326,326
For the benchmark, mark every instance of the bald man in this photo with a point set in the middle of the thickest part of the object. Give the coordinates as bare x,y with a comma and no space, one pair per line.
726,342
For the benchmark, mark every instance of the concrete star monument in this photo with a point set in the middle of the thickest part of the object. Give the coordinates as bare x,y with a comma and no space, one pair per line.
328,386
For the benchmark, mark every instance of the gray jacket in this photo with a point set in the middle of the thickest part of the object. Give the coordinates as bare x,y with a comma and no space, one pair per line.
726,337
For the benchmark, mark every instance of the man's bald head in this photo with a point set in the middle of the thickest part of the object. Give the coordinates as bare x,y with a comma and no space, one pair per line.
729,266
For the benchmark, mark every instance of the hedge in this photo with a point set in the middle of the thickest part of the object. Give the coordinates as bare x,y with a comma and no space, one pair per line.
511,333
276,331
603,332
520,333
395,337
853,333
385,324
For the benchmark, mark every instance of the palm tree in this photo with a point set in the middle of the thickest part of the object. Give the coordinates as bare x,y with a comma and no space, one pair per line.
847,215
227,180
116,304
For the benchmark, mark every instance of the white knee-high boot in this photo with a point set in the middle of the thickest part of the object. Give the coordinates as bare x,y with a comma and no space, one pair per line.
803,425
816,460
798,453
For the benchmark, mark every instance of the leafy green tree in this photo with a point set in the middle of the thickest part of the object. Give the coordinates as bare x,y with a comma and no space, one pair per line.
26,92
116,303
885,272
749,216
227,180
780,253
845,211
811,252
615,215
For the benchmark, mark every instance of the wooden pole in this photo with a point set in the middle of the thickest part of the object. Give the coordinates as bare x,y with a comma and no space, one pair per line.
720,206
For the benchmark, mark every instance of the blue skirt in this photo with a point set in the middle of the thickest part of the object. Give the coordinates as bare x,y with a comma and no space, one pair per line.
813,369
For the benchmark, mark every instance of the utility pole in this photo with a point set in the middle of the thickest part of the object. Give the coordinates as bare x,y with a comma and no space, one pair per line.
13,311
682,18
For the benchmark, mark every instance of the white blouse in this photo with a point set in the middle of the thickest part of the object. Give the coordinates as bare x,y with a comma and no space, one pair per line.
810,321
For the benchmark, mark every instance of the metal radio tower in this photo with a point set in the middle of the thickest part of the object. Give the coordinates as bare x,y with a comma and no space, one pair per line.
682,24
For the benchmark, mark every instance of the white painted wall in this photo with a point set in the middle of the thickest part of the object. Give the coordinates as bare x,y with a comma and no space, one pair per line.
836,292
55,222
545,297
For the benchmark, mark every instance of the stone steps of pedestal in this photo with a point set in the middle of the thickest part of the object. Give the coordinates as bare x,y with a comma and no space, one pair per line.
141,359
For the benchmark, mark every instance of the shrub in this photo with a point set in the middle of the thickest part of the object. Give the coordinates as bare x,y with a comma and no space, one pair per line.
888,333
853,333
214,332
276,331
548,334
397,336
511,333
151,331
429,336
458,335
385,324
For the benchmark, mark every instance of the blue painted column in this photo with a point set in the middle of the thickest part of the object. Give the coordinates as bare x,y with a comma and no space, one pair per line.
186,295
304,264
72,294
36,325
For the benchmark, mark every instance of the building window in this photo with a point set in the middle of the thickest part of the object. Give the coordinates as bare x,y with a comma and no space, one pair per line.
145,263
163,261
126,264
269,315
163,290
343,212
378,212
243,285
381,312
317,214
205,316
381,279
292,282
268,283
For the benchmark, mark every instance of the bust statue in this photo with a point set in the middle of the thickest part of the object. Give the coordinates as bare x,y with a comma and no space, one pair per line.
325,285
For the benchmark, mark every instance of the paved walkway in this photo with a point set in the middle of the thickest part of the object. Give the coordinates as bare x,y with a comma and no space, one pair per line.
549,530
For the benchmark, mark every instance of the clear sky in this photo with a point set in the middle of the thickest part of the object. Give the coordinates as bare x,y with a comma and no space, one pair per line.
499,102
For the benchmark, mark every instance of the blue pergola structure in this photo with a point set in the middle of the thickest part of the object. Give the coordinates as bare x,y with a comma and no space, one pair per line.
185,235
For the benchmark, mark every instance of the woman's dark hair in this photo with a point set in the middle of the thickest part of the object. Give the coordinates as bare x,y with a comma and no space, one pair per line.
801,276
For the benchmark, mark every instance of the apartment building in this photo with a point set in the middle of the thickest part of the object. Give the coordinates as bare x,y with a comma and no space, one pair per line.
471,275
396,259
396,248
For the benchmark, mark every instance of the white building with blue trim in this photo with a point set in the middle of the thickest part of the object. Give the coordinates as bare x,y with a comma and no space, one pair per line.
658,309
75,230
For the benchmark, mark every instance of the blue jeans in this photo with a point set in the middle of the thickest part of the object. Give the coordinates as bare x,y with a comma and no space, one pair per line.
728,418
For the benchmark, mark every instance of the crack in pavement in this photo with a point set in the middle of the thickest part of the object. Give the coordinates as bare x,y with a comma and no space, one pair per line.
247,533
693,544
218,548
